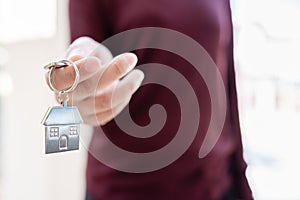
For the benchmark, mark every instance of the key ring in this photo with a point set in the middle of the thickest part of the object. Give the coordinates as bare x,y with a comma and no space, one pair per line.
62,63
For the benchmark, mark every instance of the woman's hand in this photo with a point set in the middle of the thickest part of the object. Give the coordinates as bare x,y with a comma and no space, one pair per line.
100,94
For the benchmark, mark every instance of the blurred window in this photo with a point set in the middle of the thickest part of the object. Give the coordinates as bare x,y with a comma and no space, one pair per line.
267,46
27,20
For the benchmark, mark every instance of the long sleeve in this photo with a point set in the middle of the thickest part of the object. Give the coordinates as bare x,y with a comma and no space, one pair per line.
238,164
89,18
209,24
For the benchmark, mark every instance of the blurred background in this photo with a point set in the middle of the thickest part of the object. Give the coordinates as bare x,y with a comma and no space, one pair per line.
267,48
32,33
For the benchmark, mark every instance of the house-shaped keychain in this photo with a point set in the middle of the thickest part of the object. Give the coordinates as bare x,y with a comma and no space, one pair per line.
62,128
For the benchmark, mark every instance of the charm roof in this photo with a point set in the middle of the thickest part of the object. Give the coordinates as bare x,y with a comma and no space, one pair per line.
61,116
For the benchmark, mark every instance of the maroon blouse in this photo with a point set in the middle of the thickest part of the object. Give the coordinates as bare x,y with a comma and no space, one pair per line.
209,23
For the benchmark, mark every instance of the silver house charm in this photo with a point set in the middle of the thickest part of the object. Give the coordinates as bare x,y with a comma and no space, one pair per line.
62,123
62,129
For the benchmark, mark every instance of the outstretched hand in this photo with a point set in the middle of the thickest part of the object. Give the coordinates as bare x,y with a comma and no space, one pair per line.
106,84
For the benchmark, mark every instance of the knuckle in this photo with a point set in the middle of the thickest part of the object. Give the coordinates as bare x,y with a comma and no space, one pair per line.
87,88
102,122
91,120
131,86
102,119
105,101
81,46
82,40
118,67
70,74
81,91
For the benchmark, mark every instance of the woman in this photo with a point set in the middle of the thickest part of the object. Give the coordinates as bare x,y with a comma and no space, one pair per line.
221,174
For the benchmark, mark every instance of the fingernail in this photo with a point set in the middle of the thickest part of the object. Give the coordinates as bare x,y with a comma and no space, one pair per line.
130,58
141,77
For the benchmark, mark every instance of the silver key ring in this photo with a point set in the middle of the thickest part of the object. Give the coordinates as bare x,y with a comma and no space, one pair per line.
62,63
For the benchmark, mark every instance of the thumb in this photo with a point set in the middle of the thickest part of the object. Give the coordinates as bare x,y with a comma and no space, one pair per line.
86,47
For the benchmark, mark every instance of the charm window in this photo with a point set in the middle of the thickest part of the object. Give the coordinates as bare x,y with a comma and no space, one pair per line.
54,132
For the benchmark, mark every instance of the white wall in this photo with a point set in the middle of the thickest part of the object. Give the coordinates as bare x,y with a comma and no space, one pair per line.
27,172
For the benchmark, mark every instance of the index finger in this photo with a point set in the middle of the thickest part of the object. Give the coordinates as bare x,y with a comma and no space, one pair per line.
117,69
63,78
